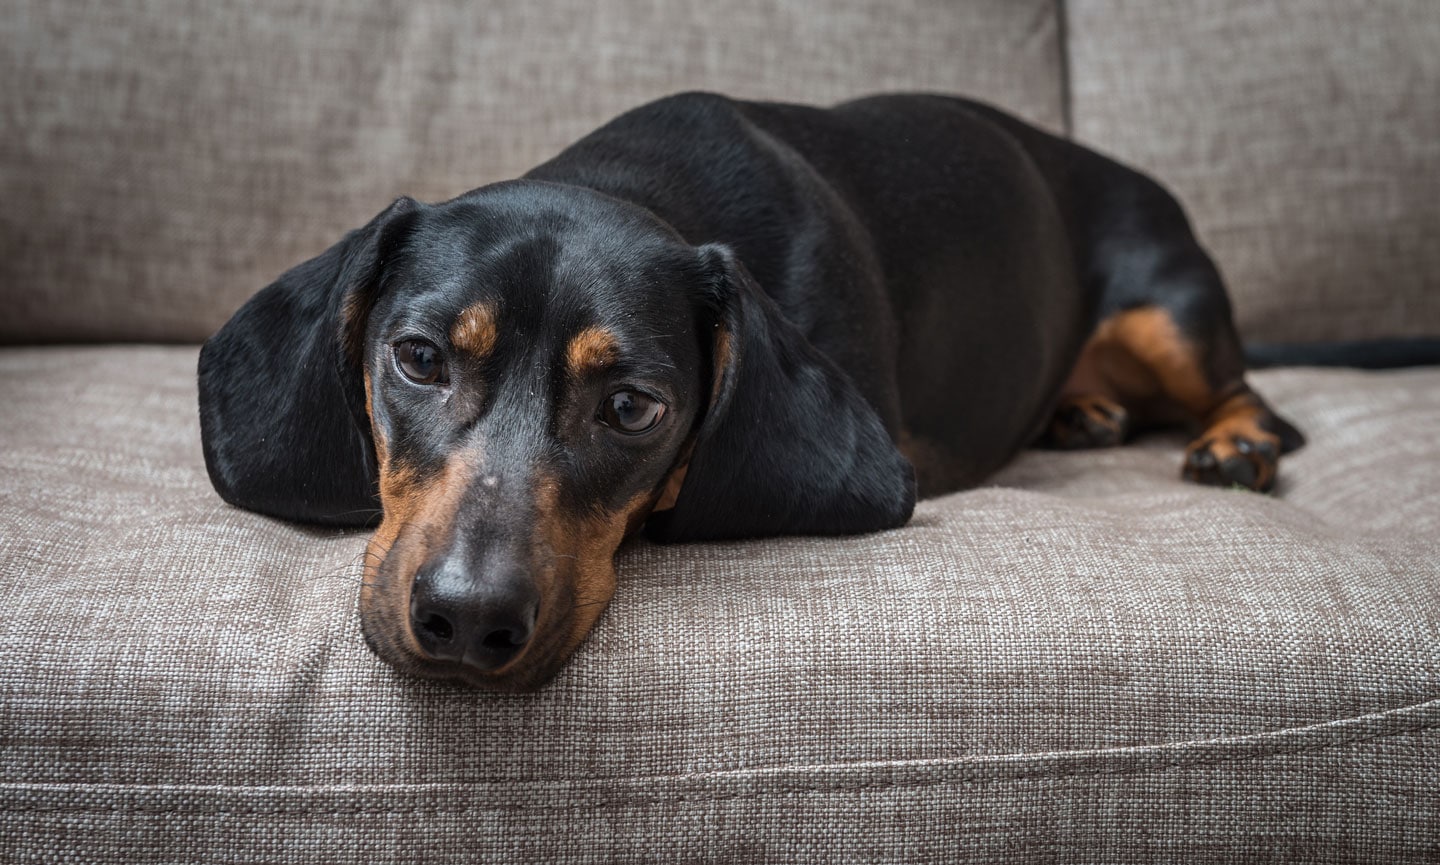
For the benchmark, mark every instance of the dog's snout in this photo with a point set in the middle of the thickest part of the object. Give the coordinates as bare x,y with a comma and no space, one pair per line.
481,618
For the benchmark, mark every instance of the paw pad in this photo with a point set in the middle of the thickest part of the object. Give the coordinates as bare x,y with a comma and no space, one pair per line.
1244,460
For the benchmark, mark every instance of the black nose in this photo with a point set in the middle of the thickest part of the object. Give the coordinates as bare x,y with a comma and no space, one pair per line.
481,619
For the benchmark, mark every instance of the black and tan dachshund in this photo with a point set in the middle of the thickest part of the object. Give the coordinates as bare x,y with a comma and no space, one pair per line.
712,319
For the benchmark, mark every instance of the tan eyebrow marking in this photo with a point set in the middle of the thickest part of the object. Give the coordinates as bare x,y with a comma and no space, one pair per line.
591,348
474,330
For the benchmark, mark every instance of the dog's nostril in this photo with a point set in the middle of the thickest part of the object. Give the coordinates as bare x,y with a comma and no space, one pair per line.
503,639
438,627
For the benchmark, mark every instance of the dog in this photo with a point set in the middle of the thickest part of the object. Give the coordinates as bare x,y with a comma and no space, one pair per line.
712,319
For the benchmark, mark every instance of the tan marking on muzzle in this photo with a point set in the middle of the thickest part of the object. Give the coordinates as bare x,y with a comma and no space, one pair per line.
426,508
589,541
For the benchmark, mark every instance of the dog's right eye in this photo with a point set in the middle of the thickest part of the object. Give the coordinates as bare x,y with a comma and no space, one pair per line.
421,362
630,412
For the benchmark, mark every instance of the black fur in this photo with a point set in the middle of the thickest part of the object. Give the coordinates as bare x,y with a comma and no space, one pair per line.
787,446
282,409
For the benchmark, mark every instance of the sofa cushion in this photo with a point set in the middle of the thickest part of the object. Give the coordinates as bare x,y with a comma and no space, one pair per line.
170,158
1302,137
1087,660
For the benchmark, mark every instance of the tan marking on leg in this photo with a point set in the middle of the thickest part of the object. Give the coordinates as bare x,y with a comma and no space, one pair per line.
1139,356
1152,338
1141,360
474,331
591,349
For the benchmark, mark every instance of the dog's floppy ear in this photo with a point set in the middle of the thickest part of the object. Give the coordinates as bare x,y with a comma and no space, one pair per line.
282,400
788,445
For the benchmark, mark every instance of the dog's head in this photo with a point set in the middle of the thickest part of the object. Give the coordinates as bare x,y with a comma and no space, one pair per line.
519,379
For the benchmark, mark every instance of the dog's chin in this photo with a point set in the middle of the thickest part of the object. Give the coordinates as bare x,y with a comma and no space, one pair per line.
518,677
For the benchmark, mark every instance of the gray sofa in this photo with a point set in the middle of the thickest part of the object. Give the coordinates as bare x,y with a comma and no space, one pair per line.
1083,661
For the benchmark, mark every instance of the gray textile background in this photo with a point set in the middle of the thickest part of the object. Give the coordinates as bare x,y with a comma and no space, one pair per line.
174,159
164,160
1088,654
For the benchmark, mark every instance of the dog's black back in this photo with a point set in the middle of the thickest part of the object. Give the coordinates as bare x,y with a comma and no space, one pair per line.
933,247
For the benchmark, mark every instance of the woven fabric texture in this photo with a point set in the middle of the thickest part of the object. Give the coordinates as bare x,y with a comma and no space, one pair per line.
164,159
1303,138
1085,661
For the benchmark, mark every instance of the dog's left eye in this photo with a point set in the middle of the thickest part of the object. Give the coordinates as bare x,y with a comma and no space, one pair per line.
421,362
630,412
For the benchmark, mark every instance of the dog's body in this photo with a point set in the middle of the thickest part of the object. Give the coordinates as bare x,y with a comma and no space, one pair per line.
717,319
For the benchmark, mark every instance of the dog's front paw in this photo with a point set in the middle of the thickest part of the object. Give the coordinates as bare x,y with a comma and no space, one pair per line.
1243,457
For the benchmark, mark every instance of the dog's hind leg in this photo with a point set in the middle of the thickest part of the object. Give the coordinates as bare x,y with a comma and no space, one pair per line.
1173,357
1164,350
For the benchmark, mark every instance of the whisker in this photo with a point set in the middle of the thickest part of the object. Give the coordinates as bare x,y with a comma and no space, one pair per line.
368,511
356,561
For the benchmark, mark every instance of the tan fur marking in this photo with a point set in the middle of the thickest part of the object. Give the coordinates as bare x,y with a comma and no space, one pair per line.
1140,360
424,506
474,330
369,406
1140,356
585,545
591,349
671,493
353,313
575,556
722,360
427,509
1102,410
1237,421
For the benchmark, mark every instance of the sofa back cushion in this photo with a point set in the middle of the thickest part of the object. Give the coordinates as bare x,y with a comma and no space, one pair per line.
164,160
1303,137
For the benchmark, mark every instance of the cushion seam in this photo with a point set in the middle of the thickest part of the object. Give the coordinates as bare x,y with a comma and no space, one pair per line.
790,789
